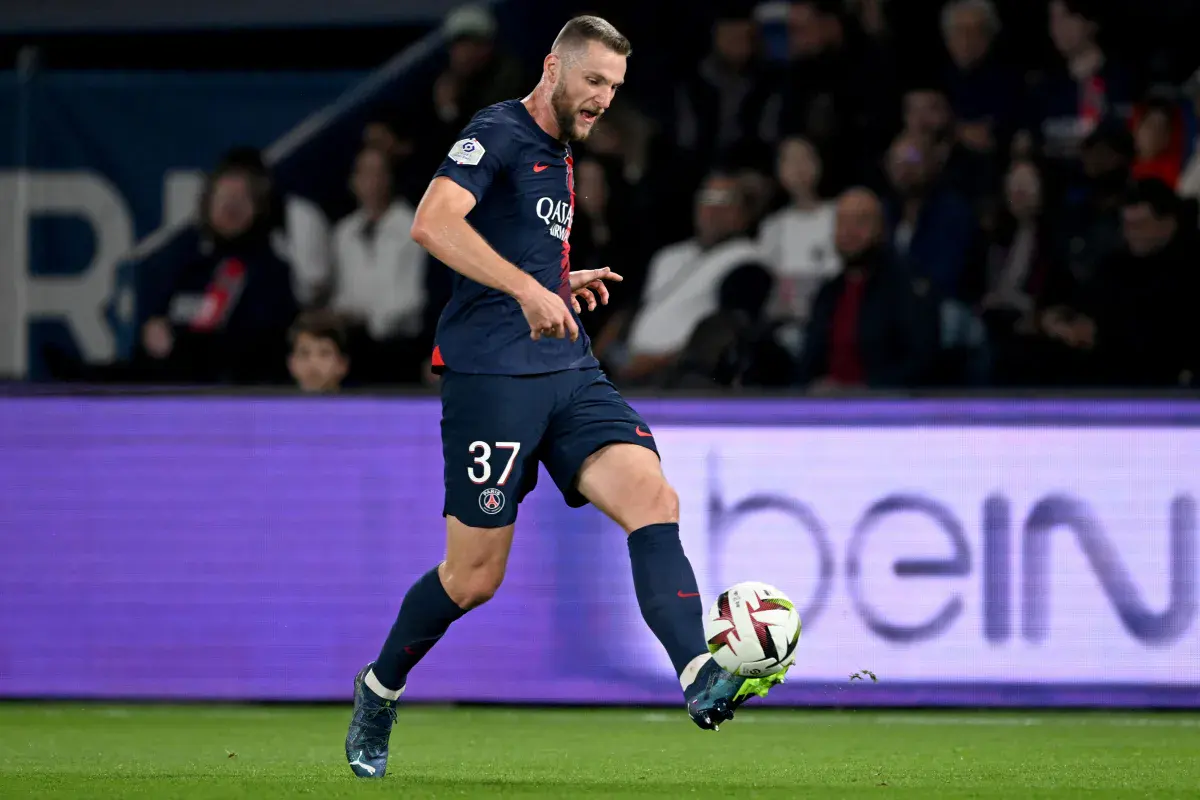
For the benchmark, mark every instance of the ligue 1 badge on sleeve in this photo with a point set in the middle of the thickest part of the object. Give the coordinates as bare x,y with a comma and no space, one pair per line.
466,152
491,501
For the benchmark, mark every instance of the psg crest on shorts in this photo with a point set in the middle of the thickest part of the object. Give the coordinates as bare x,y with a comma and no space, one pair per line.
491,501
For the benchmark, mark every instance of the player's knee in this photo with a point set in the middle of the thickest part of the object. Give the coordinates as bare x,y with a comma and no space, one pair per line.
655,502
666,502
472,588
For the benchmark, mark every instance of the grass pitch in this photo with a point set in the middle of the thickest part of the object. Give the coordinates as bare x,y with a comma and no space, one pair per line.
98,751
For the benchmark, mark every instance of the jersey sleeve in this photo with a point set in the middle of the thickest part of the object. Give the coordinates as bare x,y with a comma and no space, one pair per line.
479,155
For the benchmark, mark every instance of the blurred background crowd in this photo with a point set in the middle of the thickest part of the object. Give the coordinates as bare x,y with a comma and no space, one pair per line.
819,195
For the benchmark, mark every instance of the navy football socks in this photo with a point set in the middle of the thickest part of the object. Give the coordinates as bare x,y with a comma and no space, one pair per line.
667,592
425,614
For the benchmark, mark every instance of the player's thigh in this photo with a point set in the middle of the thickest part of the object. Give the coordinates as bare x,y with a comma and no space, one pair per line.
626,482
491,428
476,559
598,449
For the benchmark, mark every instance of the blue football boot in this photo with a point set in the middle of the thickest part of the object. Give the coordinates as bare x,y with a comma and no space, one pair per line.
370,729
714,695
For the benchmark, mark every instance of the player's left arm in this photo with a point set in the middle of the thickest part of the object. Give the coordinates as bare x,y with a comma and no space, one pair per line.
588,285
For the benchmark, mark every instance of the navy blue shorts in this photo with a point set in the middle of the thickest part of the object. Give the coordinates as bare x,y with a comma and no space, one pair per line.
496,428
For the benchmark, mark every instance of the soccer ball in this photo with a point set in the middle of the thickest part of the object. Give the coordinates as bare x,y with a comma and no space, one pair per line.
752,630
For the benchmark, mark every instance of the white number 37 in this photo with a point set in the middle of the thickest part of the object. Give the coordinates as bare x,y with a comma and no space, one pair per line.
483,459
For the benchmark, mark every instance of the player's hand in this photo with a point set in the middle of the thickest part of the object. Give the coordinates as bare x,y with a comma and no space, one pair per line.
546,313
588,284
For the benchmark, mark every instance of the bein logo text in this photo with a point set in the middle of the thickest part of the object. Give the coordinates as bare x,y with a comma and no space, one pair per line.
1014,561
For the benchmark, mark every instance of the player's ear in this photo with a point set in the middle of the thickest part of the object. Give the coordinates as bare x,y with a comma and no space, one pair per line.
550,65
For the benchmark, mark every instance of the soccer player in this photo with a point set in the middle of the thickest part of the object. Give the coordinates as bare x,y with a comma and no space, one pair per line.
520,385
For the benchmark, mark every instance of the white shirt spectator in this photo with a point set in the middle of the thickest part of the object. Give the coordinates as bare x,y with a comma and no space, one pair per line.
682,289
305,245
379,276
798,246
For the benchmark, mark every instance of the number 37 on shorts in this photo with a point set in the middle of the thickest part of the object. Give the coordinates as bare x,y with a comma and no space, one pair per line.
491,500
497,429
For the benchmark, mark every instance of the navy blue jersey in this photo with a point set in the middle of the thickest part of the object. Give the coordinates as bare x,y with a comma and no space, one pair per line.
524,203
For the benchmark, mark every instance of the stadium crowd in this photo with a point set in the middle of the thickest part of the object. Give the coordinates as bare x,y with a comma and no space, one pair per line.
819,218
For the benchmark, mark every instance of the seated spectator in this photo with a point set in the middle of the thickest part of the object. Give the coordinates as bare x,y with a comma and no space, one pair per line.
984,94
1158,141
299,229
797,241
1136,325
605,233
379,275
725,344
1143,321
838,89
932,228
1020,256
722,106
868,327
1073,100
478,73
683,280
318,361
222,312
929,116
1089,230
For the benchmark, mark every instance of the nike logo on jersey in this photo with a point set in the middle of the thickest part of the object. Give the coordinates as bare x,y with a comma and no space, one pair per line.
638,430
538,167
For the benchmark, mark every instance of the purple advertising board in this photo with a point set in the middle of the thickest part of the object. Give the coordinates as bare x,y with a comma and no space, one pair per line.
966,552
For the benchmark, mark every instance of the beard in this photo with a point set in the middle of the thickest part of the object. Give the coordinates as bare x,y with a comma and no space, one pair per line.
566,113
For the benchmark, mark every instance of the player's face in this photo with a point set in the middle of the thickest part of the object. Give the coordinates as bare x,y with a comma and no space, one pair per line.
316,364
585,89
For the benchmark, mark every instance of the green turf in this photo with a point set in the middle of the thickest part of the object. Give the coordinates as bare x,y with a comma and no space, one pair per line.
73,751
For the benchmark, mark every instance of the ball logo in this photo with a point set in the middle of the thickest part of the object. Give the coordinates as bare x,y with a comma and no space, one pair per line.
491,501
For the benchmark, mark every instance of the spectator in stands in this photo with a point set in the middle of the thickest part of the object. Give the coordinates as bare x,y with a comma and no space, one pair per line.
929,115
984,93
605,233
1137,326
683,281
299,229
400,144
868,326
1143,322
931,227
1020,261
318,361
721,107
379,275
1088,231
1089,87
478,73
797,241
838,90
1158,141
1189,181
223,312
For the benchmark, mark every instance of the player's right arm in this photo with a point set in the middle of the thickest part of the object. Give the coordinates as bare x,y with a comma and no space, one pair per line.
440,226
